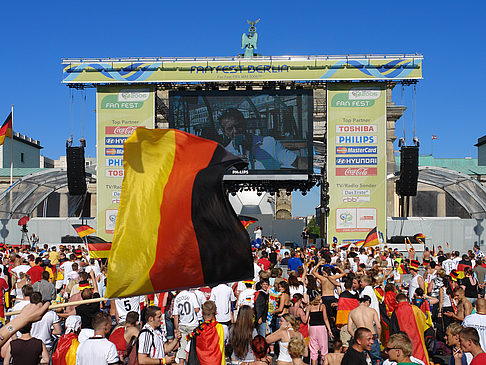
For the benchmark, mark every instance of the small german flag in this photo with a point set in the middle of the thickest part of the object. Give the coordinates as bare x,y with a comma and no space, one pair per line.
246,221
372,238
6,129
99,250
83,230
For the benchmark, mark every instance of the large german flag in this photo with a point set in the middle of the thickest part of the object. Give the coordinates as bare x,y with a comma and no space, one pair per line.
83,230
207,345
175,226
6,129
346,303
411,320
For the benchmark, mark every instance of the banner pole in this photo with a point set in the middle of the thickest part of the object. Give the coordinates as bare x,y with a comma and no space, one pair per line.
64,305
11,149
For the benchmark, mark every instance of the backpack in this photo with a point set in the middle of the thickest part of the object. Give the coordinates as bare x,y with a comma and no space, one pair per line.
130,356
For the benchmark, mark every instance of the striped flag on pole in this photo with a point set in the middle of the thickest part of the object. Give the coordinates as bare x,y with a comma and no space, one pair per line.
175,226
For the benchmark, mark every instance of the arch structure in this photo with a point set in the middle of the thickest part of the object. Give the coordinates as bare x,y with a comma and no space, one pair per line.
466,190
27,193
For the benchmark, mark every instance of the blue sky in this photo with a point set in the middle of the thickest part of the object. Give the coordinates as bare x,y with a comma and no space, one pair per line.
451,36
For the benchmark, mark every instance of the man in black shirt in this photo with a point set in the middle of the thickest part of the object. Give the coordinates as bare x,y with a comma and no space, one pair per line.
363,339
285,260
261,307
88,311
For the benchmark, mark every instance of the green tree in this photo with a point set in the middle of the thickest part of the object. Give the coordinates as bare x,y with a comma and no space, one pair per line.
313,227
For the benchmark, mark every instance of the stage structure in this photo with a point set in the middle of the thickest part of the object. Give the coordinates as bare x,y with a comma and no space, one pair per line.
286,115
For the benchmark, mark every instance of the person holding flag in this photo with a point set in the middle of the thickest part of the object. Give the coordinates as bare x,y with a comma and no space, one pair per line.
417,280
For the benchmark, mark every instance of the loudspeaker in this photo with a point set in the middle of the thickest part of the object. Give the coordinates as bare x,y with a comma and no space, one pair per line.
75,170
407,184
401,239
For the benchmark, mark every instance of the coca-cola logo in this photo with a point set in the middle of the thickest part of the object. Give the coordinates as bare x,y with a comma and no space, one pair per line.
120,131
356,171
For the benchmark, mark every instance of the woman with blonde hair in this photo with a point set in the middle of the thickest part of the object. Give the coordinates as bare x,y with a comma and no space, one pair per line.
297,350
289,328
319,329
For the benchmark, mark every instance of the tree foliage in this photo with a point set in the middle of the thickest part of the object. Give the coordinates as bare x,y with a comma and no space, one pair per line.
313,227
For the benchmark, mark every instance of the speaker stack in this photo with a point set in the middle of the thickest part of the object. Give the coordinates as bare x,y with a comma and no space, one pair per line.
409,161
76,170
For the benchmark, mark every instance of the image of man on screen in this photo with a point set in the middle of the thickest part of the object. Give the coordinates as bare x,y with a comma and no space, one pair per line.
261,152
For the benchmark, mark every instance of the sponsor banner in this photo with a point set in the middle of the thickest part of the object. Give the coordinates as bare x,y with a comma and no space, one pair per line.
356,192
355,199
119,131
114,172
351,128
114,151
356,139
377,67
356,160
358,150
355,220
120,110
356,118
114,162
357,171
110,141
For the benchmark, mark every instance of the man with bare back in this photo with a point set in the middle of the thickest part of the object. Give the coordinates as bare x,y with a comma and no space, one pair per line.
328,283
335,358
364,316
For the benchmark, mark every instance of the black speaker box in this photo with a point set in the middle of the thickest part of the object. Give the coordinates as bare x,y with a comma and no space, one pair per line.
76,170
409,159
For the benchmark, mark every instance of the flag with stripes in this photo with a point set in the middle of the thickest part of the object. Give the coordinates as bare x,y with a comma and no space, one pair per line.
372,238
246,221
83,230
175,226
6,129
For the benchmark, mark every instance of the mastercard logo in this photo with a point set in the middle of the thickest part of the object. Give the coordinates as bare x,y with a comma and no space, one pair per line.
341,149
111,151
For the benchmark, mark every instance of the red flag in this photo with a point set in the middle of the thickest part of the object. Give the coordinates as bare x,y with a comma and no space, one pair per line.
434,136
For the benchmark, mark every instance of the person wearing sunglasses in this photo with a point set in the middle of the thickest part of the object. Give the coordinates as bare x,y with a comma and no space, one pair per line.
400,348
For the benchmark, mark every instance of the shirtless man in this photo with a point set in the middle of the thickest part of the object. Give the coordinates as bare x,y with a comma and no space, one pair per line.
328,283
364,316
335,357
464,306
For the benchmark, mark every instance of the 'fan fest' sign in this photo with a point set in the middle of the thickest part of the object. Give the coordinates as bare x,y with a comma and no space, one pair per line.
121,110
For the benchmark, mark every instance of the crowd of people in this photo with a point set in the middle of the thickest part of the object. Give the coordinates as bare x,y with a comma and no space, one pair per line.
336,305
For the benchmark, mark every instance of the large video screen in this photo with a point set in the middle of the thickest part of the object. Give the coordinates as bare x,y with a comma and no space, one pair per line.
269,129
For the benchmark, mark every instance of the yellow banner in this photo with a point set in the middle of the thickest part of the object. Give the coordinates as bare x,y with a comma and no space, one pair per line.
120,110
356,159
293,68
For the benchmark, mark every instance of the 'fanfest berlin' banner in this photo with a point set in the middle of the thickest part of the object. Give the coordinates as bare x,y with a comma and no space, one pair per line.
356,163
120,110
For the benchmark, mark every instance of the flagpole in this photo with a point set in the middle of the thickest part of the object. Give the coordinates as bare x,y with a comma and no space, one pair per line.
11,151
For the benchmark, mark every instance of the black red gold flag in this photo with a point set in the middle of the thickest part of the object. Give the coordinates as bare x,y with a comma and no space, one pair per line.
175,226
